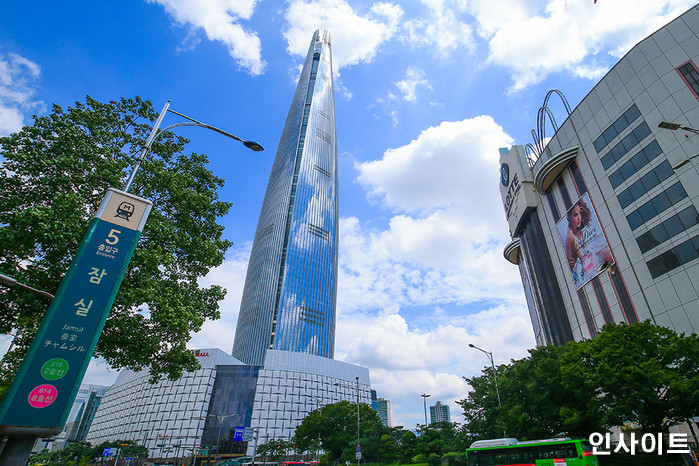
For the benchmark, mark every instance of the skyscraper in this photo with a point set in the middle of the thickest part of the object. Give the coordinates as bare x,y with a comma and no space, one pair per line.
290,289
283,367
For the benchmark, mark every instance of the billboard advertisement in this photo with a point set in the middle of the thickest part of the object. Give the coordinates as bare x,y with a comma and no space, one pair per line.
584,244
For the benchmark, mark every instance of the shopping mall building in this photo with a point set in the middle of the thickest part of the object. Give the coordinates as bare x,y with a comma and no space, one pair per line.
603,216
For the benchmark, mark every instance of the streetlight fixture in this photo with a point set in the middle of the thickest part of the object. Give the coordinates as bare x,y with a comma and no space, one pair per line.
492,364
424,402
675,127
155,132
220,424
11,282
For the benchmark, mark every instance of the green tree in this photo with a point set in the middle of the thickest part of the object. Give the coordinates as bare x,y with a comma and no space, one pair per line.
275,450
126,449
53,175
388,450
407,447
641,373
538,402
336,427
481,407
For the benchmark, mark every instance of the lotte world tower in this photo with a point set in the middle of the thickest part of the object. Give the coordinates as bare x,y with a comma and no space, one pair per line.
290,289
282,364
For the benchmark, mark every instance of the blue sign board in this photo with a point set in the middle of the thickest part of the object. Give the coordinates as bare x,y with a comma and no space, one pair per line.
107,452
41,395
239,434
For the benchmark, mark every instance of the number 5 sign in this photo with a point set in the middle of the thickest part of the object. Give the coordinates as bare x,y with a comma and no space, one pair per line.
41,395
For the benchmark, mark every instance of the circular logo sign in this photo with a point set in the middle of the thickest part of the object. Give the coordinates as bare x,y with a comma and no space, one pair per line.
42,396
505,174
54,369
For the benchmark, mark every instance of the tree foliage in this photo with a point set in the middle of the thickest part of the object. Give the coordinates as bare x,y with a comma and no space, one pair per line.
334,429
640,373
84,453
335,426
275,450
53,175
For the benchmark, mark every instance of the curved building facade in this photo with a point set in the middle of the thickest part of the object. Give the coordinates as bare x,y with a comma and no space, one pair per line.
290,289
603,218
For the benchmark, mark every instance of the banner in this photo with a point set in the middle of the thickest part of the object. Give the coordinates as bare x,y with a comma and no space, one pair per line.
584,244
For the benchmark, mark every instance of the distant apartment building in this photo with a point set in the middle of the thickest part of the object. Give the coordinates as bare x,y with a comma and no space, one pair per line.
439,413
384,410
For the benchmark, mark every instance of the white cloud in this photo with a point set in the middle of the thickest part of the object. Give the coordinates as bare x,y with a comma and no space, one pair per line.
582,38
445,242
414,78
442,168
355,37
441,29
441,249
231,276
18,78
221,19
406,362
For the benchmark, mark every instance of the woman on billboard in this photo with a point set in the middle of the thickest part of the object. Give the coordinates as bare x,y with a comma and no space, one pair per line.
586,247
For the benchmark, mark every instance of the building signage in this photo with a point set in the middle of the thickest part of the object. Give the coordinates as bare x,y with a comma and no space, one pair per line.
584,243
505,174
239,434
41,395
512,192
516,187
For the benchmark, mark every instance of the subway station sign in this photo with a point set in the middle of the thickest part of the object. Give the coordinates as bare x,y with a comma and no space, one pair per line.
41,395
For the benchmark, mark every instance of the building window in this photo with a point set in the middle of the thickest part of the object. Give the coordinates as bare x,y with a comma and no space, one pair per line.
656,206
690,76
553,206
637,162
623,295
564,193
577,178
322,170
587,313
675,257
647,182
668,229
602,300
626,145
617,127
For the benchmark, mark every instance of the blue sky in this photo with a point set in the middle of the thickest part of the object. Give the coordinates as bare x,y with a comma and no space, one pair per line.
426,92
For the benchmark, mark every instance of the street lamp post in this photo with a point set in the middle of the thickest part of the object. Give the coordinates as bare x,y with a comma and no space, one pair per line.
424,402
495,377
220,424
155,132
320,406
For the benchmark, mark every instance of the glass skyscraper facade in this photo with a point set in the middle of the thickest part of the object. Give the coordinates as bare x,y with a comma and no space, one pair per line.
290,289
